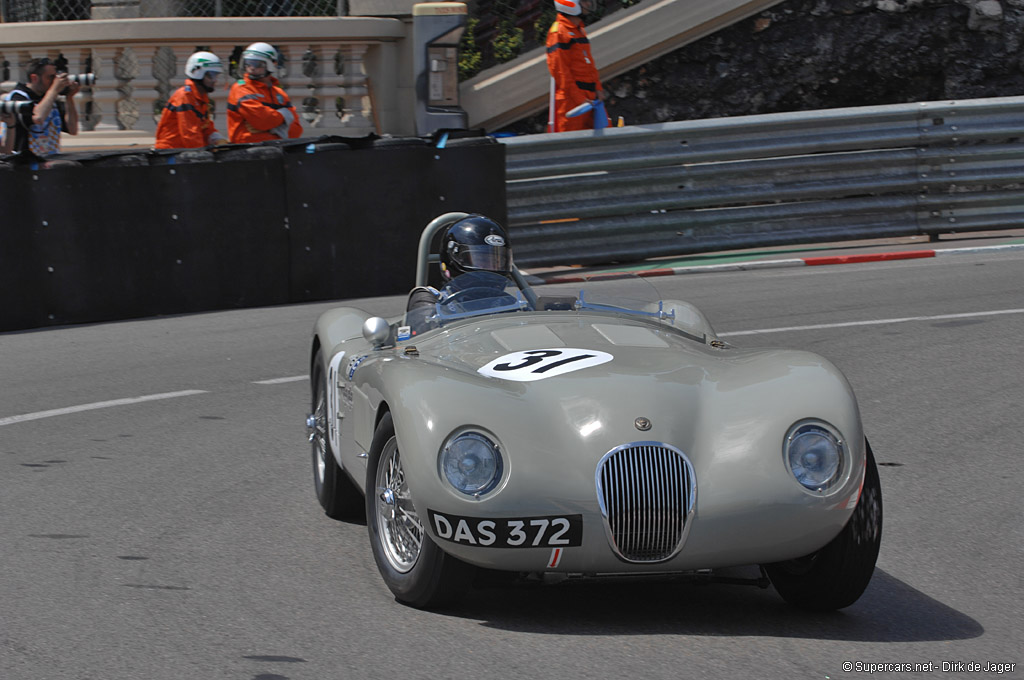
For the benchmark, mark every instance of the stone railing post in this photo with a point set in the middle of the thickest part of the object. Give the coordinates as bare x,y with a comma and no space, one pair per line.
126,70
145,87
105,94
313,104
289,66
355,92
82,61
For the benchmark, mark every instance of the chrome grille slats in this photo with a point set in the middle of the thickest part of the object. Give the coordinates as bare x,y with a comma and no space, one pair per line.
647,493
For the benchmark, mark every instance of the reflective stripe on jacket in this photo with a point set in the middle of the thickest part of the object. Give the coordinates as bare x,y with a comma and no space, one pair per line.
261,111
574,71
186,122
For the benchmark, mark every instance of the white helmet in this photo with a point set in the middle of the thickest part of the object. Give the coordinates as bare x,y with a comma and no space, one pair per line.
201,63
570,7
263,51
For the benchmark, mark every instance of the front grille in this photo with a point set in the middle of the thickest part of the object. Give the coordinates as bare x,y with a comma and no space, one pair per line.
647,493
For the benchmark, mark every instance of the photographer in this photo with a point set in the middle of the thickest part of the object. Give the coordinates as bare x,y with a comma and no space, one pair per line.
38,127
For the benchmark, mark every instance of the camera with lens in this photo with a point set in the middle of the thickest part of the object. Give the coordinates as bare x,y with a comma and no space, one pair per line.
83,79
14,107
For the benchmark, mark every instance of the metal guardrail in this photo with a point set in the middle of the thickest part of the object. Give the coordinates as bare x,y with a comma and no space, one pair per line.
629,193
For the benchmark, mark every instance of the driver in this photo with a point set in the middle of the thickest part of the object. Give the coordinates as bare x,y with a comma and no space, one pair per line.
474,245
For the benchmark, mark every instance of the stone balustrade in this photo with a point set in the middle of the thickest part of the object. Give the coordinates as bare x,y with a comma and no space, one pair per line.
346,75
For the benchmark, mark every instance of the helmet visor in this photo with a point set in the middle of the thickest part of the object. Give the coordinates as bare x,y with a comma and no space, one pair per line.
254,63
490,258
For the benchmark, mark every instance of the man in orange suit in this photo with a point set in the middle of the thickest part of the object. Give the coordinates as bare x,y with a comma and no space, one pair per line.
574,74
186,122
258,109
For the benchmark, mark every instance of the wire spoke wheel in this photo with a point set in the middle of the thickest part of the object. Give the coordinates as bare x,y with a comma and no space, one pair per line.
416,570
319,438
400,528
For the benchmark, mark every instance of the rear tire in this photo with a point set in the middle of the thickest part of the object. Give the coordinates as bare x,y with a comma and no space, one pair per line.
837,575
416,570
338,495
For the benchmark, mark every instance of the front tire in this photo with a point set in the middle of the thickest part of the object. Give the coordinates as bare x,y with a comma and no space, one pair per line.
416,570
338,495
837,575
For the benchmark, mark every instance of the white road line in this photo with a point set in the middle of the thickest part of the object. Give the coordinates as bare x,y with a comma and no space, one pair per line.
99,404
739,266
875,322
296,378
978,249
278,381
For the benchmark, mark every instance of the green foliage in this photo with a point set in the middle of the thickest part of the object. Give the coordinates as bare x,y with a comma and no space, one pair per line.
508,43
543,23
470,59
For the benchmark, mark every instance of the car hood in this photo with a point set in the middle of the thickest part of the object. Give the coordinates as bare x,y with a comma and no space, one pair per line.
634,346
681,383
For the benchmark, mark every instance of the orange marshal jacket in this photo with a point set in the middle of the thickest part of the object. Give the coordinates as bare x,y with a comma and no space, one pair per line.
186,122
260,111
574,71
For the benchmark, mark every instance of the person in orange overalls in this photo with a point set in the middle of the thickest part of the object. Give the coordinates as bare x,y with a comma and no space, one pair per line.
258,109
186,122
572,67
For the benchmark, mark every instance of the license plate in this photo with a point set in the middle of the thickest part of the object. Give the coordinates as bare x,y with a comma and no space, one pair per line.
558,531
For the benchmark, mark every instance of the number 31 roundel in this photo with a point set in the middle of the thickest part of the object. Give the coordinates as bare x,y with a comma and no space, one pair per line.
537,364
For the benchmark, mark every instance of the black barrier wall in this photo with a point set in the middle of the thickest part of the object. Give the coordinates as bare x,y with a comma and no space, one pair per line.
130,235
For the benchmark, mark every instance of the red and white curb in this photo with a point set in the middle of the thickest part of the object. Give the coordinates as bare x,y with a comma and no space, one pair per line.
793,262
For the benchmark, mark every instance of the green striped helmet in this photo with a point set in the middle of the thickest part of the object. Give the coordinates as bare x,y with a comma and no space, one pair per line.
263,51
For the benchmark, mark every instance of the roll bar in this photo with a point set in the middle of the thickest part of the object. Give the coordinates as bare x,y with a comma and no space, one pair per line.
424,258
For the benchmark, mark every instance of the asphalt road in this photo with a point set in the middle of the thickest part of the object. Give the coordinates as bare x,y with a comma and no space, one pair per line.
179,537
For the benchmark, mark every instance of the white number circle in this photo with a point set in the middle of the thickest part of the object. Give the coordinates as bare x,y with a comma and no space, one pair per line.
537,364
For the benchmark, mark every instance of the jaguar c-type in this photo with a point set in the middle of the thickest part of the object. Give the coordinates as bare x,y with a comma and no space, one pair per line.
582,430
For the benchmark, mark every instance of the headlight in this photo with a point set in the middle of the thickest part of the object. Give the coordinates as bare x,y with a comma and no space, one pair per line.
471,463
815,454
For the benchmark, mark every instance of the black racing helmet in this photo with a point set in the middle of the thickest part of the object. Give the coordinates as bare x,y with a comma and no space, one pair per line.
475,243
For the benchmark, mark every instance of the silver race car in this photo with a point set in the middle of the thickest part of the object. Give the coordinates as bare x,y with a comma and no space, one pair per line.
587,430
